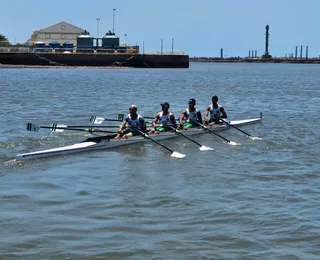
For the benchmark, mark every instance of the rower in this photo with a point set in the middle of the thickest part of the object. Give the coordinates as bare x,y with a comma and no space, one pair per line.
164,120
191,116
133,120
216,112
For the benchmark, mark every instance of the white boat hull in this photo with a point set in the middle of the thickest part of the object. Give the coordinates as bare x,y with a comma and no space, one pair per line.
98,143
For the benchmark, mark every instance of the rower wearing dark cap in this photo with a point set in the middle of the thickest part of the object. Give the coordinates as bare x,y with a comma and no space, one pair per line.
164,120
190,116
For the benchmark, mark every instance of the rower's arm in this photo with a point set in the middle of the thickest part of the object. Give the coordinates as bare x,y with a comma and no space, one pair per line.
207,113
199,116
223,112
155,121
173,120
181,117
143,124
123,124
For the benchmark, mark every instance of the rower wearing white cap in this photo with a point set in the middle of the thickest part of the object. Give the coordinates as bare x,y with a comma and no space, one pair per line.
164,120
133,120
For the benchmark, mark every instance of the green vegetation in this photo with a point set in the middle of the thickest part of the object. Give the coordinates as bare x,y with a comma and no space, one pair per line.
4,40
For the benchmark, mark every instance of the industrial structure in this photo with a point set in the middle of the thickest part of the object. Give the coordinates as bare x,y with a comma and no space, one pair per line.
64,44
60,32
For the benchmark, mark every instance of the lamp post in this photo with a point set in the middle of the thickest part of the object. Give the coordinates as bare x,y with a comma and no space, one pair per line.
125,43
97,43
98,19
172,46
113,19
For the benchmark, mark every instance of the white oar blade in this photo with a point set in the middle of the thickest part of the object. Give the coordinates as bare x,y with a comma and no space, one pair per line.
178,155
233,143
255,138
96,120
55,126
205,148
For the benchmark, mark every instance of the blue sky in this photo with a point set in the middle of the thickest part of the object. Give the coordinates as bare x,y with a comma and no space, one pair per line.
199,28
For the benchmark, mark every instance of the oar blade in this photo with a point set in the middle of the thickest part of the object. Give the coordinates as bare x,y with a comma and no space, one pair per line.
57,128
255,138
178,155
205,148
120,116
97,120
32,127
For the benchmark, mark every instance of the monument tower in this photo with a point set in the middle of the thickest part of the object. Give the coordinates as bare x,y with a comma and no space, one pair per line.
266,54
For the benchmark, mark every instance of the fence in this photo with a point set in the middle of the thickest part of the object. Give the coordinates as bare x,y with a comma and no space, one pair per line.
89,50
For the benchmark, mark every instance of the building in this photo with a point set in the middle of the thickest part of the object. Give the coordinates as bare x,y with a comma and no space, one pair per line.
60,32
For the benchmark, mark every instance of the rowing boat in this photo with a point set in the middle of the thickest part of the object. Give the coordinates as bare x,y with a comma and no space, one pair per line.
107,142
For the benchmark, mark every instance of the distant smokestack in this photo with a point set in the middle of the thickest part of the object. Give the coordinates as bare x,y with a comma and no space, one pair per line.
221,53
249,53
307,52
255,53
296,53
301,52
267,41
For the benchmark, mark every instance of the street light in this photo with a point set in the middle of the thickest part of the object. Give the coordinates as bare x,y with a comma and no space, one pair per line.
125,43
172,46
113,19
98,19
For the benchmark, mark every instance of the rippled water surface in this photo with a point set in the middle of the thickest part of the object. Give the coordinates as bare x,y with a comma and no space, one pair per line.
257,200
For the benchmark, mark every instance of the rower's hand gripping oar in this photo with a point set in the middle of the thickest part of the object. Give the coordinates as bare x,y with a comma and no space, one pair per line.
248,135
206,128
61,128
173,153
202,147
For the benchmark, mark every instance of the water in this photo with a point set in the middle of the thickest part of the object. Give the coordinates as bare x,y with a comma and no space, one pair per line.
258,200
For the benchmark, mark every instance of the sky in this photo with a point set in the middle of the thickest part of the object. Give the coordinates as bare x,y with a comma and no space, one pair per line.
200,28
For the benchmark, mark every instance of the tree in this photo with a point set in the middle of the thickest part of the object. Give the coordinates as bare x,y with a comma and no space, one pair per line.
4,40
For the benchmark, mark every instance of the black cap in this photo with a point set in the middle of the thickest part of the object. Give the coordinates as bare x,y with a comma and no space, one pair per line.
165,104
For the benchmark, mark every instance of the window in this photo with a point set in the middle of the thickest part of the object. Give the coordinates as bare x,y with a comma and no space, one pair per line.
63,36
47,36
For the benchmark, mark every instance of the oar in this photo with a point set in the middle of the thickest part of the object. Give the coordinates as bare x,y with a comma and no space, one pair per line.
61,128
90,126
248,135
173,153
206,128
121,116
99,120
202,147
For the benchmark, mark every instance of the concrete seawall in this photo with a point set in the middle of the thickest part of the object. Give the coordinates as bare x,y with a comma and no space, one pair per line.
90,59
